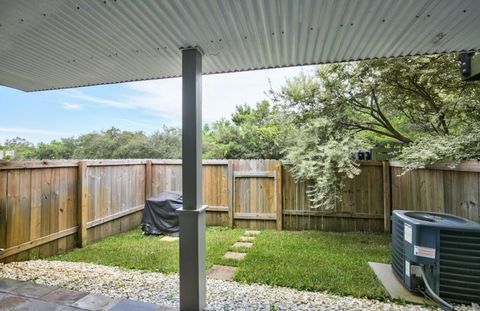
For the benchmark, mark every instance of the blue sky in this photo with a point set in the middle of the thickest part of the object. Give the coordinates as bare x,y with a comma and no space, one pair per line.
137,106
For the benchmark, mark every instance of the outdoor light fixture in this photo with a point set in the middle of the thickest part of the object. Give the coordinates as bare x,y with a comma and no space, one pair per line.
469,66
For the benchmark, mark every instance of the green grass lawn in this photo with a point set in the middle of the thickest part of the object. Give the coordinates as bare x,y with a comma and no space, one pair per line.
133,250
315,261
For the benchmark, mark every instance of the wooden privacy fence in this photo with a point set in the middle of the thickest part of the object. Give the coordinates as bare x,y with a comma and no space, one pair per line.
240,193
364,203
439,189
48,207
38,209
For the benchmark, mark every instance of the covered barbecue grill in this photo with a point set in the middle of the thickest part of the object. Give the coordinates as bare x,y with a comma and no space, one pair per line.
160,214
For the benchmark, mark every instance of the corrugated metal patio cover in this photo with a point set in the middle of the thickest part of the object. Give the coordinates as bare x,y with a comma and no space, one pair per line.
64,43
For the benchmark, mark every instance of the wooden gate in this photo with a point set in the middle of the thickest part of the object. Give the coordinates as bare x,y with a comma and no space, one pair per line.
257,194
239,193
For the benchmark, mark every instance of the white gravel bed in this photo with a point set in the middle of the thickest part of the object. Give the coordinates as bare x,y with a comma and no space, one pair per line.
163,288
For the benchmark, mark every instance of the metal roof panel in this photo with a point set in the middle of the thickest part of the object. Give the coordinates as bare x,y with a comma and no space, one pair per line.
50,44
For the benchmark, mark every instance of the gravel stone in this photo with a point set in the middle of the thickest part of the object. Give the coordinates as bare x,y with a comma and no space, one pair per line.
163,289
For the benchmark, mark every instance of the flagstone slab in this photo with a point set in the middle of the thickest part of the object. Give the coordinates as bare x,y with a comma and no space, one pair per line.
32,290
93,302
10,302
8,285
49,298
64,296
128,305
224,273
234,256
39,305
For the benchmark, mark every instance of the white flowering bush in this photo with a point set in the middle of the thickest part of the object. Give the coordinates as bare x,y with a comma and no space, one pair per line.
429,149
322,157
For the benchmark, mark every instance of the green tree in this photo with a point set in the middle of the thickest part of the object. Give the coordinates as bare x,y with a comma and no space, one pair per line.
56,149
109,144
24,150
388,100
403,100
253,132
321,154
166,143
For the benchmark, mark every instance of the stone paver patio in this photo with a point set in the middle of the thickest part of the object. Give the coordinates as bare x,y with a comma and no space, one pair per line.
19,295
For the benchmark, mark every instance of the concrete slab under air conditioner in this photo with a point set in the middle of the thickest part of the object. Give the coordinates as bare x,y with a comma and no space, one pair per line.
394,288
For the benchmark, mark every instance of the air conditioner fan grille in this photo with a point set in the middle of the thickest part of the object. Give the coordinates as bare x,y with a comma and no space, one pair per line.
460,266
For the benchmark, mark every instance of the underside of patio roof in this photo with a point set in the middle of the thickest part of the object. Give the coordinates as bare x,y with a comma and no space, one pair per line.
70,43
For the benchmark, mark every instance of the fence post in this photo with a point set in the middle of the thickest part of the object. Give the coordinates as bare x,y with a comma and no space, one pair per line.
279,195
230,186
387,196
148,179
82,203
3,209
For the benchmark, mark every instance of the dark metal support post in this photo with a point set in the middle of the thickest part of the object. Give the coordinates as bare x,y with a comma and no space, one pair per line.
192,216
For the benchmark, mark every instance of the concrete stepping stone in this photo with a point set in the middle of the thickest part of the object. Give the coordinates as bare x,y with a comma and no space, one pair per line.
170,238
64,296
252,232
94,302
234,256
224,273
247,238
242,244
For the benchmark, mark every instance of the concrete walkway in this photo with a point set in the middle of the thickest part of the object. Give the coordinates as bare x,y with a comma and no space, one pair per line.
26,296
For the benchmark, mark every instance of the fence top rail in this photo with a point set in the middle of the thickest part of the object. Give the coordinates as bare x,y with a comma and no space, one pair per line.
361,163
268,174
467,166
16,165
179,162
370,163
115,162
11,165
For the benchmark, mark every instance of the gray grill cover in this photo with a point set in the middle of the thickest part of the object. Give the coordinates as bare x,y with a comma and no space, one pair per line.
160,214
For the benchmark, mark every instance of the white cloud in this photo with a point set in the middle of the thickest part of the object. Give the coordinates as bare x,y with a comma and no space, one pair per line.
71,106
221,93
77,94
